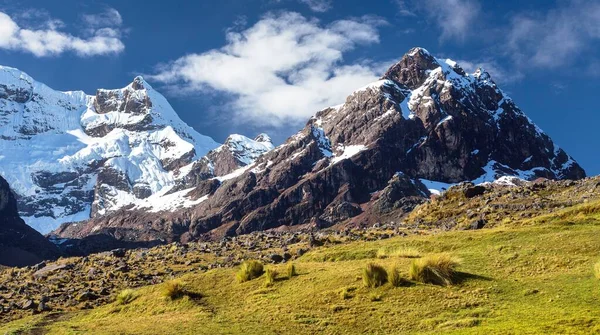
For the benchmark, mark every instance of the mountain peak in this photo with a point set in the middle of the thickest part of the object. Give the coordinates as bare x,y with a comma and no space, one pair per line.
421,52
139,83
481,74
412,69
15,84
263,138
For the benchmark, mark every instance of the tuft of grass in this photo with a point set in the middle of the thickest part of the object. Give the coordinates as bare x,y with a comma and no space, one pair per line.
597,270
291,270
437,269
249,270
374,275
126,296
270,277
398,252
395,278
173,289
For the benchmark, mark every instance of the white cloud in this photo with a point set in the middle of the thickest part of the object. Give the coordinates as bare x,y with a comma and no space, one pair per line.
285,67
454,17
557,37
403,8
46,39
320,6
109,18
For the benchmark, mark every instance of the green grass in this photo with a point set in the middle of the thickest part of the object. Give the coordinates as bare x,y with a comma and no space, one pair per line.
597,270
530,279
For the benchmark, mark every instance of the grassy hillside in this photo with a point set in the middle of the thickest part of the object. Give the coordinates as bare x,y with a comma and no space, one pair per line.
533,277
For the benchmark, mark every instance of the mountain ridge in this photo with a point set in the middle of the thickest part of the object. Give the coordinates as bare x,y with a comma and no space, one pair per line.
425,121
71,156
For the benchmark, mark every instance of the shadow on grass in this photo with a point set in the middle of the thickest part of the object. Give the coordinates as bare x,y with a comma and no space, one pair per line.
462,277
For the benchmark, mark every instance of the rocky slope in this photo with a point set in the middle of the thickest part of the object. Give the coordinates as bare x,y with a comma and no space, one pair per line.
78,283
425,122
20,244
71,156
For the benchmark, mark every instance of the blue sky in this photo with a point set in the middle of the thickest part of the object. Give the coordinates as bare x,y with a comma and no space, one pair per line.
250,66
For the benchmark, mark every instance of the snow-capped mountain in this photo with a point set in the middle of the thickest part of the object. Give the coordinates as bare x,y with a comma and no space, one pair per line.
71,156
426,122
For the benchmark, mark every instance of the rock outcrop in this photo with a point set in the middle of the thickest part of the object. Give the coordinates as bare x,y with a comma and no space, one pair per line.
20,245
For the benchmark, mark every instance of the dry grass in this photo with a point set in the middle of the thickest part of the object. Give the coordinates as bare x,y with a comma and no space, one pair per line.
126,296
398,252
249,270
270,277
439,269
291,270
597,270
173,289
374,275
395,279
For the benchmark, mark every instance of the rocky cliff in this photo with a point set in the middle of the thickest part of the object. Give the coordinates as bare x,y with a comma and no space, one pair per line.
20,244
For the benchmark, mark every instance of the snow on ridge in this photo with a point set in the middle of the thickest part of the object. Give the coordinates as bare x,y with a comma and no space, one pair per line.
375,85
416,50
236,173
348,152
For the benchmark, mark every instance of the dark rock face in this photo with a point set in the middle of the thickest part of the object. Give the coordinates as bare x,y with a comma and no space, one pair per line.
411,70
425,119
17,94
402,194
474,191
126,102
20,245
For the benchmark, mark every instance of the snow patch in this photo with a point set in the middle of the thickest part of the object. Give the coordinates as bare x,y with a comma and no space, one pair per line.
348,152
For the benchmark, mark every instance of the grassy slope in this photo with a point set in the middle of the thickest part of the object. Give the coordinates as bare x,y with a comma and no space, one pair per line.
526,279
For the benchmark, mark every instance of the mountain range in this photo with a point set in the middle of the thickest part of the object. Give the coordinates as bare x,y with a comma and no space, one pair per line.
121,164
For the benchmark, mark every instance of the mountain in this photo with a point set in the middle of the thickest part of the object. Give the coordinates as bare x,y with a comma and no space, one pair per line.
20,244
71,156
425,123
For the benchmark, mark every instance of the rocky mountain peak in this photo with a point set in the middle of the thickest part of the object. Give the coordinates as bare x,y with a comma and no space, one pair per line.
413,67
482,74
139,83
263,138
238,151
